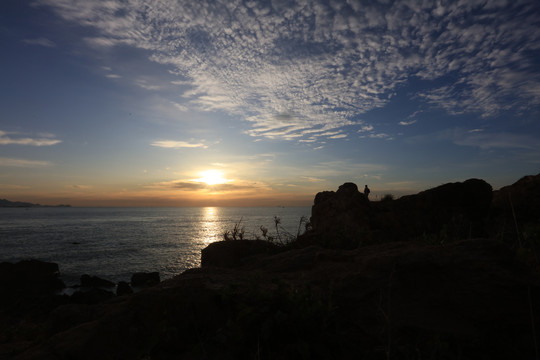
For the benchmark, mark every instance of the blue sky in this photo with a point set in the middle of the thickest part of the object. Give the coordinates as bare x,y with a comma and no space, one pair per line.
263,102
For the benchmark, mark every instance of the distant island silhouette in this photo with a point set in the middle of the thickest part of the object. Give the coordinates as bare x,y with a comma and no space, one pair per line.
6,203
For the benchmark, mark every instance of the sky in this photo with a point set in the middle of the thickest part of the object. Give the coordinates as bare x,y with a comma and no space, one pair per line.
263,103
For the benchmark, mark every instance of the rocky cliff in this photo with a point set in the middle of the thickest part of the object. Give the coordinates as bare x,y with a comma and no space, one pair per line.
346,218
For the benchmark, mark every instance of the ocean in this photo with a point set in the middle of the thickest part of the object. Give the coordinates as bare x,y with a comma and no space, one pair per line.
114,243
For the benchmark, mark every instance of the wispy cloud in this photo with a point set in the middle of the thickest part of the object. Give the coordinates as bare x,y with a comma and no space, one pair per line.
40,42
366,128
173,144
480,138
496,140
13,187
179,106
7,138
338,136
81,187
406,123
8,162
142,83
291,67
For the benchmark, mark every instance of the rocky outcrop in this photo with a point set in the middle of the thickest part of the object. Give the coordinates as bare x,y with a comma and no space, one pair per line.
341,217
123,289
29,286
346,219
145,279
454,210
30,276
90,296
515,214
232,253
95,282
523,195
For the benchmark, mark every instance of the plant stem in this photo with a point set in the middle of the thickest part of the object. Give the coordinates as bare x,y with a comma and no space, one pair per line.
533,327
515,220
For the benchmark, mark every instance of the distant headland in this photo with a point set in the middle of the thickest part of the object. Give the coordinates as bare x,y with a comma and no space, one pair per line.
6,203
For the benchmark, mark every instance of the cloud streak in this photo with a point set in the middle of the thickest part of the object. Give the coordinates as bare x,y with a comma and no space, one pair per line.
201,186
172,144
294,68
6,139
8,162
41,42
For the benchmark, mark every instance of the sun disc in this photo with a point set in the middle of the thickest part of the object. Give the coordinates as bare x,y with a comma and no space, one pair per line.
212,177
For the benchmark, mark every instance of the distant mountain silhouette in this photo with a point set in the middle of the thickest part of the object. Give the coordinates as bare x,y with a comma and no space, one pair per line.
7,203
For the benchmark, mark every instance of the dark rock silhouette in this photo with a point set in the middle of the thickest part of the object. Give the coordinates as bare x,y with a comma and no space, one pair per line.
93,295
346,219
123,289
94,281
524,195
31,276
341,217
232,253
29,286
145,279
28,293
93,290
516,210
455,210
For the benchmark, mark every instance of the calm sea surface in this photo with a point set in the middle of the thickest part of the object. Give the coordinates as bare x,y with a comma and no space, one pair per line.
113,243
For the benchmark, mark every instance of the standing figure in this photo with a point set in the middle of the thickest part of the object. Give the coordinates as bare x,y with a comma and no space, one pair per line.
366,191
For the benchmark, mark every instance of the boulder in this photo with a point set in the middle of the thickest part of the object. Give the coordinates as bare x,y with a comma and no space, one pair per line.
123,289
145,279
94,281
30,276
91,296
28,288
231,253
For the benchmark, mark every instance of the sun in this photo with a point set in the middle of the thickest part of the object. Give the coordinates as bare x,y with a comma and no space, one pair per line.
212,177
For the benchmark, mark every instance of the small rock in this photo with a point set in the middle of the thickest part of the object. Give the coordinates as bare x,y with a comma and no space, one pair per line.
94,281
123,289
145,279
91,296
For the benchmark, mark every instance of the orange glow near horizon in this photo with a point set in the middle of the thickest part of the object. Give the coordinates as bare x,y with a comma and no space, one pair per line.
167,198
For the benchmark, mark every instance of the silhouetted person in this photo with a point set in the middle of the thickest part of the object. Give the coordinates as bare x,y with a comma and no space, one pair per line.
366,191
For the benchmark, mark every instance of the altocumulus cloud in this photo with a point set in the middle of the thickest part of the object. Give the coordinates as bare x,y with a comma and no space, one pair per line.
322,63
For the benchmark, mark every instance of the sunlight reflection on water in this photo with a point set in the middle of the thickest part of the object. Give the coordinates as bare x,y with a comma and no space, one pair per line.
210,227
